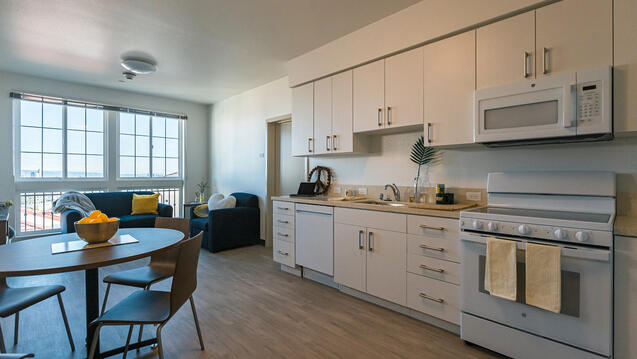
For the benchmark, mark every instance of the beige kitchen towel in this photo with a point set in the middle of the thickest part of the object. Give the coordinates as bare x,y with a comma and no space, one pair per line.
543,277
500,278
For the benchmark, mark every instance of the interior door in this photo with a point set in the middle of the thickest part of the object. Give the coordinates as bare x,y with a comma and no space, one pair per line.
303,120
369,96
581,40
323,115
505,51
342,135
387,265
404,89
290,171
350,256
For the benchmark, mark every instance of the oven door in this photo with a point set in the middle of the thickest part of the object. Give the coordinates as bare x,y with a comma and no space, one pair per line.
542,108
586,315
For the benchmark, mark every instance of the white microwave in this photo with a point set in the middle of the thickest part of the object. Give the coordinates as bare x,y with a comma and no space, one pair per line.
567,107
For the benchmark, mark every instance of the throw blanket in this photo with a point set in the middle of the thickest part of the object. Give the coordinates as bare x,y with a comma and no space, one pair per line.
73,200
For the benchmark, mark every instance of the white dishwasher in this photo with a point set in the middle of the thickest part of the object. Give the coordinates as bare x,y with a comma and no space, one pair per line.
314,234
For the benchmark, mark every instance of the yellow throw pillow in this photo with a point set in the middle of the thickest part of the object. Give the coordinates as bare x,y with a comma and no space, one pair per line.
201,211
145,203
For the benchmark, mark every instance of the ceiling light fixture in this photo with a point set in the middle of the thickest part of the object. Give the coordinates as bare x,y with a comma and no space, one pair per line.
139,66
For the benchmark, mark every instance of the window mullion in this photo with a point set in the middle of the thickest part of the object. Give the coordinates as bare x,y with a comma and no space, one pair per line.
150,147
64,143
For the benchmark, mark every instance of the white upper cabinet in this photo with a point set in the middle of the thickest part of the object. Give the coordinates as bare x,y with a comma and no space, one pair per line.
505,51
342,135
574,35
303,120
404,89
625,70
323,116
369,96
449,73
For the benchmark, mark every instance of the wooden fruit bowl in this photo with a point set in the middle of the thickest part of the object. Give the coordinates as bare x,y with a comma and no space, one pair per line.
96,232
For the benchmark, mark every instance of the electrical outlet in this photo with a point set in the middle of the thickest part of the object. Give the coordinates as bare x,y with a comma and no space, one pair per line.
337,189
362,191
474,196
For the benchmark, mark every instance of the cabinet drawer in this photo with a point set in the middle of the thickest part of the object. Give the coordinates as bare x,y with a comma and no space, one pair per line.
283,252
447,248
280,207
434,268
436,298
432,226
394,222
281,220
283,233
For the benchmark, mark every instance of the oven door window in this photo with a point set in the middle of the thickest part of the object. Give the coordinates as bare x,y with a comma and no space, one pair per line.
526,115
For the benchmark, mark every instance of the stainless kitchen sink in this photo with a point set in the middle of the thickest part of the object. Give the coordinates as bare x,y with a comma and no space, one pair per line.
383,203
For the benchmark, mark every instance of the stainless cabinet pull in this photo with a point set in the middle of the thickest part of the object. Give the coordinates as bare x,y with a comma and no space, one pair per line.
380,117
327,143
370,241
437,300
282,234
283,253
526,64
439,270
424,226
309,145
283,208
424,246
361,245
545,61
389,115
282,221
334,142
428,132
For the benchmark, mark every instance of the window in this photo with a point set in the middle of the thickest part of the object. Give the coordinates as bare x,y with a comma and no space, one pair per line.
58,141
149,146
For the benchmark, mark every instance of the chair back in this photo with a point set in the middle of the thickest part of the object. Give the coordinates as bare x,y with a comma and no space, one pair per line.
179,224
185,277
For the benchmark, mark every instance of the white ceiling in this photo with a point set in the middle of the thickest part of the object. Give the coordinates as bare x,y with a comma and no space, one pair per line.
206,50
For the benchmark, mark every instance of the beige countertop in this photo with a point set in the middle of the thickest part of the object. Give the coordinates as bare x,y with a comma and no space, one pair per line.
323,201
626,226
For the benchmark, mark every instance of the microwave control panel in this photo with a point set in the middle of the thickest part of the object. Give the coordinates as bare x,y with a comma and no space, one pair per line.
589,101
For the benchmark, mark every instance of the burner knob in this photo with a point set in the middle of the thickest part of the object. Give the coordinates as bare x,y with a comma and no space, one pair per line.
582,236
560,234
476,225
523,229
493,227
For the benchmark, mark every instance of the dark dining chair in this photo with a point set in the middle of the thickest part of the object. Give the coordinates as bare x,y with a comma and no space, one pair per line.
157,307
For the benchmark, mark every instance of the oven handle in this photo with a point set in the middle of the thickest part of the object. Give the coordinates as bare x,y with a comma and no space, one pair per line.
601,255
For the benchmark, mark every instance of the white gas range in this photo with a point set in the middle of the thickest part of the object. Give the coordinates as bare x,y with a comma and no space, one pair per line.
572,210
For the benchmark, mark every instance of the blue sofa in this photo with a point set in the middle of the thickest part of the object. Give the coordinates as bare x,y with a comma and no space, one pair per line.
116,204
229,228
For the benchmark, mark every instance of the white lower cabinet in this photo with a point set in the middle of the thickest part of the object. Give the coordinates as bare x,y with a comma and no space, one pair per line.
283,250
350,256
386,265
434,297
625,297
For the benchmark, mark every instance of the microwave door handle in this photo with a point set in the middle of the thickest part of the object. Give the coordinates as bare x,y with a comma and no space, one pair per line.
570,113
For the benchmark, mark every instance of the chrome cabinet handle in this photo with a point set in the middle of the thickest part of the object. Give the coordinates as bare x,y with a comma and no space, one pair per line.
526,64
380,117
334,142
424,226
439,270
424,246
309,144
545,64
361,245
282,221
282,234
370,241
283,208
389,115
437,300
428,132
327,143
283,253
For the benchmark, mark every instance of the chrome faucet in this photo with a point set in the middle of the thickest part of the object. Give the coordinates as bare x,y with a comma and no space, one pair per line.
394,189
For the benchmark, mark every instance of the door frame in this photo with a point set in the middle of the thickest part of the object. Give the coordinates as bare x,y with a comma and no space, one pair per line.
270,170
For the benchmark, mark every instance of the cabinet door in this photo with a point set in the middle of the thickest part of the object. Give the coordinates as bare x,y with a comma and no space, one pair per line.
577,34
342,135
625,71
369,96
625,297
303,120
404,89
505,51
350,256
449,67
323,115
387,265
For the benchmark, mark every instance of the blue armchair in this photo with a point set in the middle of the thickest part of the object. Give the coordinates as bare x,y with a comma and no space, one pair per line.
229,228
116,204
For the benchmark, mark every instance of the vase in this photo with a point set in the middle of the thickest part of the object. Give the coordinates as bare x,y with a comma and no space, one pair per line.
202,197
4,212
421,186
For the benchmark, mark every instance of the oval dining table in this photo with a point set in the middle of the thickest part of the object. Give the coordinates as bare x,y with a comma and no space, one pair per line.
35,257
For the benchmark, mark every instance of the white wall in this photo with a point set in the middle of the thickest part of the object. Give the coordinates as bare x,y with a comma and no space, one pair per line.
196,139
238,139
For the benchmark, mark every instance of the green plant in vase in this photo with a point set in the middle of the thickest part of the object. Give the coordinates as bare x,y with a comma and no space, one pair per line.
423,156
201,193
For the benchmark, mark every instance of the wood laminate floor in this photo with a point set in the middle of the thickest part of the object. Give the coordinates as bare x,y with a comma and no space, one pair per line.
247,308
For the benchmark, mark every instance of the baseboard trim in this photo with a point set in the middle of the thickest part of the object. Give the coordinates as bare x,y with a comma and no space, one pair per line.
292,270
319,277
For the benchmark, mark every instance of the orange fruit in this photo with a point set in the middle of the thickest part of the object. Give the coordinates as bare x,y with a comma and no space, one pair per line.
102,218
113,219
84,220
95,213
